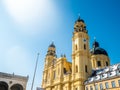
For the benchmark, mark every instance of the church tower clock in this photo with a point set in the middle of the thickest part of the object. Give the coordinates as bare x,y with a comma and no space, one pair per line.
81,65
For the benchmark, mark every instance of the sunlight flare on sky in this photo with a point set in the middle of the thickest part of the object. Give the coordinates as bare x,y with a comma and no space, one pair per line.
32,13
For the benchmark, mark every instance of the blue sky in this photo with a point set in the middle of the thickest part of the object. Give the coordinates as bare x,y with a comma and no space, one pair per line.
29,26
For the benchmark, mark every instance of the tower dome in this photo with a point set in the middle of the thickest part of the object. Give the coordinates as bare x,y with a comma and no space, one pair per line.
95,44
80,26
97,50
79,20
51,50
52,45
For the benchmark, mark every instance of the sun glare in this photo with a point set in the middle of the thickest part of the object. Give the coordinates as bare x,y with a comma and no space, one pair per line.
30,12
26,10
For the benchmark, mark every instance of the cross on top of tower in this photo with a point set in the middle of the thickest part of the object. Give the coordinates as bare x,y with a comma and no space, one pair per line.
78,16
52,45
94,38
79,19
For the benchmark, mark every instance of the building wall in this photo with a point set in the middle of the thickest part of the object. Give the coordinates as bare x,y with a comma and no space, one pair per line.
81,66
11,80
102,58
57,76
109,81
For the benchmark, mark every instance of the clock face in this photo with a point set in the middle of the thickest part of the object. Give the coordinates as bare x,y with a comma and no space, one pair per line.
84,40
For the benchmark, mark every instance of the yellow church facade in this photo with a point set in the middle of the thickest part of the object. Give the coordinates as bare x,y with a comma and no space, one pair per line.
87,65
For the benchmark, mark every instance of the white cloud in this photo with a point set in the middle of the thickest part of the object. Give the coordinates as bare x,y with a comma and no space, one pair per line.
31,13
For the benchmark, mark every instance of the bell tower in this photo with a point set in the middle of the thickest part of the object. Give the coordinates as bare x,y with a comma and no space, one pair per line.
51,54
49,61
81,65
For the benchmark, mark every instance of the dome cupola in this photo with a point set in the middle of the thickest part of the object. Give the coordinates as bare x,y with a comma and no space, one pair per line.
95,44
52,45
97,50
80,26
51,50
79,20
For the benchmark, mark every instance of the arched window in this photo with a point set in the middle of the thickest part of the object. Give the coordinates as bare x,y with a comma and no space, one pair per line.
99,63
76,88
86,88
54,74
3,86
86,70
76,69
96,87
106,63
65,71
91,88
84,46
17,87
75,47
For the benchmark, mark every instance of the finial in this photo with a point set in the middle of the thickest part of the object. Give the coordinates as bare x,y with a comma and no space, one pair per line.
79,19
94,38
95,44
78,16
52,44
61,55
64,55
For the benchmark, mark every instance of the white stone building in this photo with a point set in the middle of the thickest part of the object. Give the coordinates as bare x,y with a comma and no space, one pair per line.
12,82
